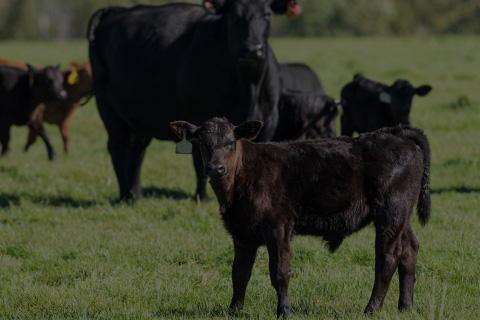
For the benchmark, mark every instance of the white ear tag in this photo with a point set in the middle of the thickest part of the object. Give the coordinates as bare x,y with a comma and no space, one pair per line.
385,97
184,146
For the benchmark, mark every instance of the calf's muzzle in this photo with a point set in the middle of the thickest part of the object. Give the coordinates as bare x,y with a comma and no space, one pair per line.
215,170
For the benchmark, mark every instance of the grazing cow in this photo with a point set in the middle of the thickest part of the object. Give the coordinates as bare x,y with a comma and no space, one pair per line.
370,105
21,92
152,65
298,76
78,84
331,188
305,115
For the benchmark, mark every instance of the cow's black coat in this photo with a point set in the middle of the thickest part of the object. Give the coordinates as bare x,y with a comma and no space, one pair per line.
331,188
152,65
369,105
298,76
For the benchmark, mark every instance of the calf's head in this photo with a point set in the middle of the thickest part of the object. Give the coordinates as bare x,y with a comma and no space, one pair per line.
324,125
400,96
217,140
79,76
248,25
47,83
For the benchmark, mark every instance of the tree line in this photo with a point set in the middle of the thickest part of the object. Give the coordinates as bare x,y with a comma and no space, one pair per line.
60,19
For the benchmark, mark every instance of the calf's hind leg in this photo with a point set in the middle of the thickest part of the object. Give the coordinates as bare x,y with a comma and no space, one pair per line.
406,268
387,247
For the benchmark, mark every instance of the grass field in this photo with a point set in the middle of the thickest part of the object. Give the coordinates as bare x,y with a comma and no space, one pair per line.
69,250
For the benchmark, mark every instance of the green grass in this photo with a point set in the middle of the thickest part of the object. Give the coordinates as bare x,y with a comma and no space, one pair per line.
69,250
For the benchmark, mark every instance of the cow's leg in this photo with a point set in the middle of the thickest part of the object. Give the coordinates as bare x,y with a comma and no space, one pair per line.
241,272
347,127
406,268
201,191
4,137
118,140
387,247
279,253
136,154
32,136
43,134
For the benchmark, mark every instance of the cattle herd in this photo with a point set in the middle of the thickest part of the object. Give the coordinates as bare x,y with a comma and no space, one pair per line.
190,72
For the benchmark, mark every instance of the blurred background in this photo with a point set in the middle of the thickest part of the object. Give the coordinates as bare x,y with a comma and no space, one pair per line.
62,20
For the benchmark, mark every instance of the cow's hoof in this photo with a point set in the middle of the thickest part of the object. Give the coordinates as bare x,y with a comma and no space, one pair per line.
370,309
52,156
236,306
284,312
202,198
402,306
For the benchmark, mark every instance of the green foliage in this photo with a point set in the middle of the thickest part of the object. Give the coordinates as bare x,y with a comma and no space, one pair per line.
59,19
68,249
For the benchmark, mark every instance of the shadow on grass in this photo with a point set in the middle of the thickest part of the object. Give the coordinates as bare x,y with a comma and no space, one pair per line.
8,200
461,189
155,192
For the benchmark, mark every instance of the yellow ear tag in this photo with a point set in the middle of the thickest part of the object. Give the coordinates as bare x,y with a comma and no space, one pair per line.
73,77
184,146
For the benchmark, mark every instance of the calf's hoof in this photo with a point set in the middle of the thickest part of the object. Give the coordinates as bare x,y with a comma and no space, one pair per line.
52,156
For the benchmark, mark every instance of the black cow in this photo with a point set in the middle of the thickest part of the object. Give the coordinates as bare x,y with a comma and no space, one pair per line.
21,93
152,65
305,115
369,105
268,192
298,76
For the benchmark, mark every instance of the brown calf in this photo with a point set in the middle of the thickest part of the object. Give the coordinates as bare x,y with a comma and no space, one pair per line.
22,92
331,188
78,84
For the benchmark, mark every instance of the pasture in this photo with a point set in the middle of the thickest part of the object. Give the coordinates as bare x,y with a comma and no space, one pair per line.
68,249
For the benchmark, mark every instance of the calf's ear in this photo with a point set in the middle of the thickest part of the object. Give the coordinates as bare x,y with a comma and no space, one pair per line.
184,129
248,130
423,90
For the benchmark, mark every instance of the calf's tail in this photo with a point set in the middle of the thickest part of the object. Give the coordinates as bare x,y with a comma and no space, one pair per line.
420,139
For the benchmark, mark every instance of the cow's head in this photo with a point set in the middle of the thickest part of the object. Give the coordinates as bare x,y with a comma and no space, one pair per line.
217,140
47,83
248,23
400,96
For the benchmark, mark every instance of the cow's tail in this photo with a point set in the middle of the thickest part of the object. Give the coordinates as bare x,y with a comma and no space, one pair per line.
99,68
420,139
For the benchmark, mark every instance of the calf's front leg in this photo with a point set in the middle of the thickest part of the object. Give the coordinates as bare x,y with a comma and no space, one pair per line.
241,272
279,254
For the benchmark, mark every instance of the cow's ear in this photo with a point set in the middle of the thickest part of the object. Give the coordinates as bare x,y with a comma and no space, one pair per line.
423,90
32,69
184,129
248,130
